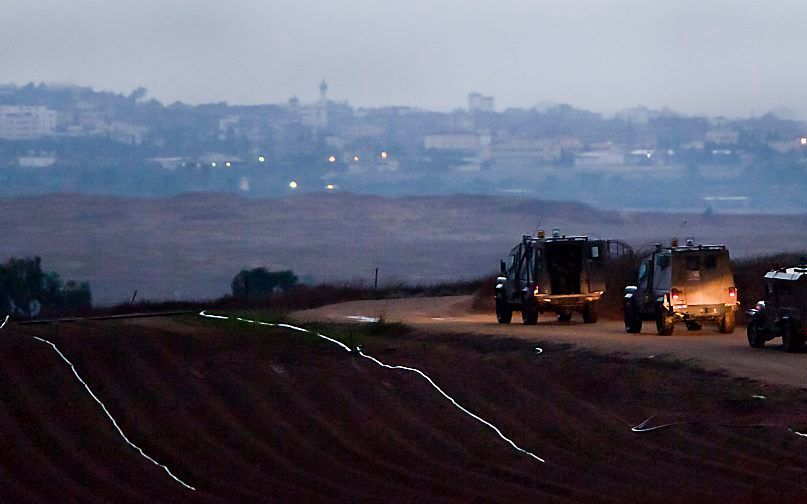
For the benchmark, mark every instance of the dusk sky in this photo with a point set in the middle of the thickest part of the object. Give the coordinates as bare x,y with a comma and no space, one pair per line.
718,57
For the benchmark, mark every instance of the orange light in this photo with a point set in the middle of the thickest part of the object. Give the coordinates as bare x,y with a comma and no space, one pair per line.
732,292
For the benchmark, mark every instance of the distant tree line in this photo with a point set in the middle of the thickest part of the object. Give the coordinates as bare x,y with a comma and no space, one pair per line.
26,290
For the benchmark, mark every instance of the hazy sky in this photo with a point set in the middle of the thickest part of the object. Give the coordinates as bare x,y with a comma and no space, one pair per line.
726,57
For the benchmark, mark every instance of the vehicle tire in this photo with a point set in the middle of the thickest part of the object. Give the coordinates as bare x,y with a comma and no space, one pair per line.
529,312
564,316
665,323
792,341
726,323
633,319
504,312
590,312
756,336
692,325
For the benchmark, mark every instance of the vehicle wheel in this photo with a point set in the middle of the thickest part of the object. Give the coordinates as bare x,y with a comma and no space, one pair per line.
504,312
529,312
633,319
692,325
665,323
564,316
756,336
590,312
727,323
792,341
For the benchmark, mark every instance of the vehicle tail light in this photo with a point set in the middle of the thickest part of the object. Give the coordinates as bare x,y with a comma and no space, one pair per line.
675,293
733,292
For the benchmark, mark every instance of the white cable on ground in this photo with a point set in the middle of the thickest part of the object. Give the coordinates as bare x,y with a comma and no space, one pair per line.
642,427
106,411
358,351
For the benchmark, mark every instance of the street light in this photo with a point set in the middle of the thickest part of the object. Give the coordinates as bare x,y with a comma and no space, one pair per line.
228,164
804,140
331,159
356,157
213,164
261,159
384,154
329,187
293,184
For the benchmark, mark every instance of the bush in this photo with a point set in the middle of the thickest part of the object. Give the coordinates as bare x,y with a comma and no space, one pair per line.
259,282
26,290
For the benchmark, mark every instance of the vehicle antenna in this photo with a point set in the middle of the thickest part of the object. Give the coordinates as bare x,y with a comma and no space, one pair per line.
680,229
538,226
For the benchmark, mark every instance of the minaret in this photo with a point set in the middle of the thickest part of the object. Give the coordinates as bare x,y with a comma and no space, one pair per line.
323,92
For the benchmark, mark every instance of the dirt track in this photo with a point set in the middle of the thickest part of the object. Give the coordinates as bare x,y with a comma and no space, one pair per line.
707,348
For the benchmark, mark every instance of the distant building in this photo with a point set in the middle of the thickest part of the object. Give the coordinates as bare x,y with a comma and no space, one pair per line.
314,115
479,103
722,136
20,122
456,141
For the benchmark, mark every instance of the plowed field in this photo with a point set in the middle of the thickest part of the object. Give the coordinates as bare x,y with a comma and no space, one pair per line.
253,414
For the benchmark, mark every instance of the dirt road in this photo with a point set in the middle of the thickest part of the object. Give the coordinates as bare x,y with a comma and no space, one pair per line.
707,348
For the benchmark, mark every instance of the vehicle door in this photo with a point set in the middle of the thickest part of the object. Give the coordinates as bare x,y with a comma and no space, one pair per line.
643,281
511,272
595,256
661,276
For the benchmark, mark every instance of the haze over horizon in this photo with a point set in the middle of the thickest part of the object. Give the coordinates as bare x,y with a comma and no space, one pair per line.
717,57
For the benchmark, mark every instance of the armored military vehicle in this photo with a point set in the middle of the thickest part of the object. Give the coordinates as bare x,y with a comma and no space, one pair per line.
783,312
560,274
689,284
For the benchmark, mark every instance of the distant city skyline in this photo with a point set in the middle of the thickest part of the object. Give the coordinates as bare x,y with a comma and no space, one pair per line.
713,58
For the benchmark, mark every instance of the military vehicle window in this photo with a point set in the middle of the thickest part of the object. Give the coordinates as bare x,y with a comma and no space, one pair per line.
693,263
642,270
710,261
663,261
594,252
511,259
768,291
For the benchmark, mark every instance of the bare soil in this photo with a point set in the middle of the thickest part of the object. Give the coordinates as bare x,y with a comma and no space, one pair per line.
249,414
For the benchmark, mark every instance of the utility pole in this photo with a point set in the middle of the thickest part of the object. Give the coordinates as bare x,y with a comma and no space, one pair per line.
376,279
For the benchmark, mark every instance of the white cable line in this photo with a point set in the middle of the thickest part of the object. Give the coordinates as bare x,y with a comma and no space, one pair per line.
642,426
455,403
111,418
4,322
539,350
800,434
414,370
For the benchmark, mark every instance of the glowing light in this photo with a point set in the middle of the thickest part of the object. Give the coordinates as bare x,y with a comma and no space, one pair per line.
228,164
213,164
293,184
356,157
803,140
261,159
329,187
331,159
384,154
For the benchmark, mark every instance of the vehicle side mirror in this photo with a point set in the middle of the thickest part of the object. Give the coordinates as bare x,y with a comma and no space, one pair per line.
502,267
